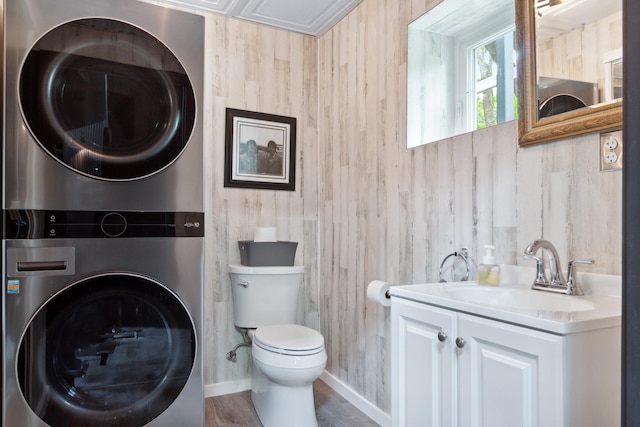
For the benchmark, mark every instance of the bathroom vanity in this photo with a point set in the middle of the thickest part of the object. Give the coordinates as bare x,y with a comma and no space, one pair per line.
507,356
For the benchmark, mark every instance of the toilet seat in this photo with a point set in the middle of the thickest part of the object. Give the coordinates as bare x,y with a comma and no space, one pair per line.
294,340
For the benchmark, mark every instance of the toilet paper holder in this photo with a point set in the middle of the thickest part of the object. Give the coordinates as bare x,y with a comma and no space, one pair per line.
378,291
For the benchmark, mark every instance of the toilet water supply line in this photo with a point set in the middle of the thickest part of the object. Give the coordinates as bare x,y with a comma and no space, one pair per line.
231,355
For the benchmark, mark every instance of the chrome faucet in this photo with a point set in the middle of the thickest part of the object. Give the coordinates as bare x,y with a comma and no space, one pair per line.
553,261
556,281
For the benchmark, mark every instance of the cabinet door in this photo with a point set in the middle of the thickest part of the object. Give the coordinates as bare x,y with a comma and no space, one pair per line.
509,376
423,365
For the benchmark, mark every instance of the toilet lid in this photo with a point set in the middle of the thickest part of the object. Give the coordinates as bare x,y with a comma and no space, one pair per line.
289,339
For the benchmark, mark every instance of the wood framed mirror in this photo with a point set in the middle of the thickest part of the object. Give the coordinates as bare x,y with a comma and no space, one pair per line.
604,114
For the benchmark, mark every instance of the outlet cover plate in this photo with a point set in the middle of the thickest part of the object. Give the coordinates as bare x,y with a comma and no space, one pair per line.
611,151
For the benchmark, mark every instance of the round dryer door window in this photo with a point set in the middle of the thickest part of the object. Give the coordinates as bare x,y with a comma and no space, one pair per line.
107,99
111,350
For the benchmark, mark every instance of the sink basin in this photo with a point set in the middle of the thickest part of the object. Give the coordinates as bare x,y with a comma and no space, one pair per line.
519,298
515,302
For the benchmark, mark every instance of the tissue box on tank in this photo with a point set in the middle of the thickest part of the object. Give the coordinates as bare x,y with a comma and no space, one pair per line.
263,254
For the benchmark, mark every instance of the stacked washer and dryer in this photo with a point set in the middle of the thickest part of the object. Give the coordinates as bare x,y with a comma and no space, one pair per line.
102,222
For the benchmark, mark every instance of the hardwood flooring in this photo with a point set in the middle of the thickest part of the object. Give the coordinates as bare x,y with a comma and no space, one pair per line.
332,410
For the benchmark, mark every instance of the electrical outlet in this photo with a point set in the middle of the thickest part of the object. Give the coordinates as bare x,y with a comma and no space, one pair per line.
611,143
611,157
611,151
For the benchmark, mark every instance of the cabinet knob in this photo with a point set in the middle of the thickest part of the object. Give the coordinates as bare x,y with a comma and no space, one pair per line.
442,337
460,342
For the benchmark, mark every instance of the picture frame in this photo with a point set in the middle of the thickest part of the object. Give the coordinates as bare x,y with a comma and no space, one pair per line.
260,151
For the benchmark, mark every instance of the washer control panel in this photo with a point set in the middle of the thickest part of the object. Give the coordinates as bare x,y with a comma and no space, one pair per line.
45,224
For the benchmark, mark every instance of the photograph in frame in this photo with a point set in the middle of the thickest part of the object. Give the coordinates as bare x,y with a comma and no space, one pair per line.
259,150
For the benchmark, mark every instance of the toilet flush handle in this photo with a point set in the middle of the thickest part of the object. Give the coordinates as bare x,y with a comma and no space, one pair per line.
244,284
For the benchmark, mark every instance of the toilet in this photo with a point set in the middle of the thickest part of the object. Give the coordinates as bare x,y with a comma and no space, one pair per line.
287,358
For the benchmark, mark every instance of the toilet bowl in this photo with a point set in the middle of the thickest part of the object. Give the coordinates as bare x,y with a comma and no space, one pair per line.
286,361
287,357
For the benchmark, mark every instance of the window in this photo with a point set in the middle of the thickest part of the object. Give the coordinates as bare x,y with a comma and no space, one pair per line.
493,64
460,69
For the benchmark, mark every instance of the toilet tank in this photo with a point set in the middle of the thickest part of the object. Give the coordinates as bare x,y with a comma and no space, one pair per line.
265,295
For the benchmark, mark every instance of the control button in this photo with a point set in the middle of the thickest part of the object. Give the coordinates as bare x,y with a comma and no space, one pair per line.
113,224
189,224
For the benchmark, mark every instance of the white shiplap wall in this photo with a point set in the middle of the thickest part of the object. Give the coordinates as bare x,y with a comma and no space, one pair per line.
257,68
366,207
392,213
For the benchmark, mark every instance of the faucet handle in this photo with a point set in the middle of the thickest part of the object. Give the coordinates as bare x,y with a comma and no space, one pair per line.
540,275
573,288
581,261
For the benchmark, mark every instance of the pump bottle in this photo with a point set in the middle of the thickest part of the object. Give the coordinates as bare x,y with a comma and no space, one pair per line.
488,270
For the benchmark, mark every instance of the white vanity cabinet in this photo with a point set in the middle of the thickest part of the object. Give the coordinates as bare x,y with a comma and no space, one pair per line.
423,365
454,369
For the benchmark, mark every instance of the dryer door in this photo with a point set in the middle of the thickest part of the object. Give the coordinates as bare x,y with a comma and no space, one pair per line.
110,350
107,99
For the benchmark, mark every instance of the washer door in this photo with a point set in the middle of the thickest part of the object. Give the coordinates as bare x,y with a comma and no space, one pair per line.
111,350
558,104
107,99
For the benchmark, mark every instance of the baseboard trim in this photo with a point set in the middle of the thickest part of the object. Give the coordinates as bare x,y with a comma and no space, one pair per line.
372,411
369,409
229,387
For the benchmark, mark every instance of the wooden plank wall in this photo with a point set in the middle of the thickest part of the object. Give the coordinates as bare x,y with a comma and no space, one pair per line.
580,54
367,208
391,213
257,68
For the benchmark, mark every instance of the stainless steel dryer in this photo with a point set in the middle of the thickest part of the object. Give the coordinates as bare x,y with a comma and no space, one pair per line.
102,322
103,106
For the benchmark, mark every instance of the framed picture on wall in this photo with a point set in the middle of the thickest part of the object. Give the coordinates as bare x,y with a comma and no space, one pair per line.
260,151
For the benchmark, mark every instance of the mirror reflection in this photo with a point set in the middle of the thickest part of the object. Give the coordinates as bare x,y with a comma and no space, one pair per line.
461,69
578,54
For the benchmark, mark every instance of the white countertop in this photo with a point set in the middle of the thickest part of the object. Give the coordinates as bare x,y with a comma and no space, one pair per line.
601,291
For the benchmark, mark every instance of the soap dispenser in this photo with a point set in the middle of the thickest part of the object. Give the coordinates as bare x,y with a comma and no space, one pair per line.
489,271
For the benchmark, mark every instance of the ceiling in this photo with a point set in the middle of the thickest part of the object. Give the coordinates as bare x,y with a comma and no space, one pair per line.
313,17
555,19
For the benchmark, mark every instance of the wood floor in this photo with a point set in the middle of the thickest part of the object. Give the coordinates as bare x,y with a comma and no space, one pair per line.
332,410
